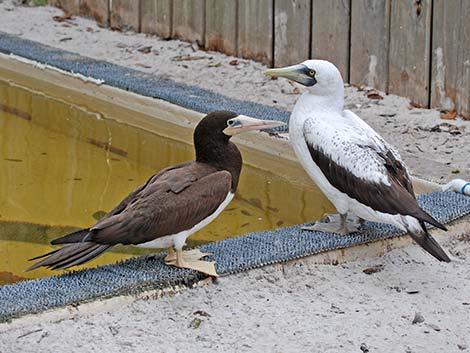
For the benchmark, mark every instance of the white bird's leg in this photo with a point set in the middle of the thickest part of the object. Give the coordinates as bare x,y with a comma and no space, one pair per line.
191,259
346,227
336,223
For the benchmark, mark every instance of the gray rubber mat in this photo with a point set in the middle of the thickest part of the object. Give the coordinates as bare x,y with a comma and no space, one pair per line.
188,96
232,255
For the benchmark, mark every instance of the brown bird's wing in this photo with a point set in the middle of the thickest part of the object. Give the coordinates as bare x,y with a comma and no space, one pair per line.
173,202
84,235
129,198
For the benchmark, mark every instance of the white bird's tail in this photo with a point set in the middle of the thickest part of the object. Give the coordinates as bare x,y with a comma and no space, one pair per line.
427,242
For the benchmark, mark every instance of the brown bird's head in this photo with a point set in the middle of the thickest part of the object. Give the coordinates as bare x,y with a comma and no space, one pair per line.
212,135
224,124
215,130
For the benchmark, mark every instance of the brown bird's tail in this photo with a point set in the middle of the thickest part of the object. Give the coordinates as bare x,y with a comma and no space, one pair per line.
69,255
79,236
428,243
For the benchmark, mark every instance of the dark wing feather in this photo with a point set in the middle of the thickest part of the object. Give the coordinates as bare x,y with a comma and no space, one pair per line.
84,235
428,243
129,198
174,202
75,237
396,198
396,170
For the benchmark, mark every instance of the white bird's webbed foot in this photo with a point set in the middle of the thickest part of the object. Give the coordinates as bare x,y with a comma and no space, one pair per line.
336,223
191,259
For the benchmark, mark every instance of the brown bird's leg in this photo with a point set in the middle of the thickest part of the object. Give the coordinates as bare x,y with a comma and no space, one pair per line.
170,255
191,259
180,262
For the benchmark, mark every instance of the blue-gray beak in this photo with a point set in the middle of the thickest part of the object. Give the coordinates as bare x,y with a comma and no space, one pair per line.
298,73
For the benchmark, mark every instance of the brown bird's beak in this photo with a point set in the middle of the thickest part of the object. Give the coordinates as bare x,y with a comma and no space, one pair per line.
243,123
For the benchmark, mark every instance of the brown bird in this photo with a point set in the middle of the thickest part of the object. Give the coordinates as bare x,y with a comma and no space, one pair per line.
172,204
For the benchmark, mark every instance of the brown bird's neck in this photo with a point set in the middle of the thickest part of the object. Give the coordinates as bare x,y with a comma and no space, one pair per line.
221,154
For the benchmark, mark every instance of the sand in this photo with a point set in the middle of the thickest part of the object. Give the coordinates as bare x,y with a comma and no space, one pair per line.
285,308
295,307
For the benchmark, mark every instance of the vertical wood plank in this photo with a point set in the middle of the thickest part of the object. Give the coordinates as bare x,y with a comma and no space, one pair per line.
370,21
221,26
155,17
450,82
255,30
71,6
330,33
188,20
125,14
291,25
410,43
97,9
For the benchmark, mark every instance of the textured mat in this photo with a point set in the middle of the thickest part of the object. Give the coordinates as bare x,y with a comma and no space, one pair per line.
232,255
191,97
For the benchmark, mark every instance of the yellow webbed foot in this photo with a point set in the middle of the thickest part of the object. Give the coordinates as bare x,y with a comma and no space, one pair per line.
191,259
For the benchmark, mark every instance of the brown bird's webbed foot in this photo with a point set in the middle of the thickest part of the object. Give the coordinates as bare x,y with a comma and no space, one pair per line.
191,259
336,223
170,255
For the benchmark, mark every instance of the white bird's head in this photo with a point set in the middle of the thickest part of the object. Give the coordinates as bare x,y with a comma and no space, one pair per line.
321,77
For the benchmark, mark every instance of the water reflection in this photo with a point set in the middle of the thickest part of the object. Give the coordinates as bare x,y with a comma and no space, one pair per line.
62,167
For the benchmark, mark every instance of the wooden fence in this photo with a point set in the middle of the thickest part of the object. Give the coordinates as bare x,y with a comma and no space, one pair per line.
414,48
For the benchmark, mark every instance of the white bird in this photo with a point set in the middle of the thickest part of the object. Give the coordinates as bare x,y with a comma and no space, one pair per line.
356,169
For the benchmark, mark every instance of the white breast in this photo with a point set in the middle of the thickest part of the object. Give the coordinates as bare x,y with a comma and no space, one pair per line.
299,115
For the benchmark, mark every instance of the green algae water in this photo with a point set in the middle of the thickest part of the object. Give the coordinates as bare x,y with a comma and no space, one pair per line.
63,166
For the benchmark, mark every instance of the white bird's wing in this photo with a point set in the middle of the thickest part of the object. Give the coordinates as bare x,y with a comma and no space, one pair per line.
369,135
358,162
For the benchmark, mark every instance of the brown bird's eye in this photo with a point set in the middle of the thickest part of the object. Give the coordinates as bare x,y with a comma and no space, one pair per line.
311,73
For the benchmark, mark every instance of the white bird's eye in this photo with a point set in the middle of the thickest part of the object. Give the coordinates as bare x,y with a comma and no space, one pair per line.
230,122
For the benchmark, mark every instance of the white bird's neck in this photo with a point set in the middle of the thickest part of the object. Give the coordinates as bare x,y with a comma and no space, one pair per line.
330,99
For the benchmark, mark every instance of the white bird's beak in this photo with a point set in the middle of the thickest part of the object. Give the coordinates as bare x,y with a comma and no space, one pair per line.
243,123
290,72
298,73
